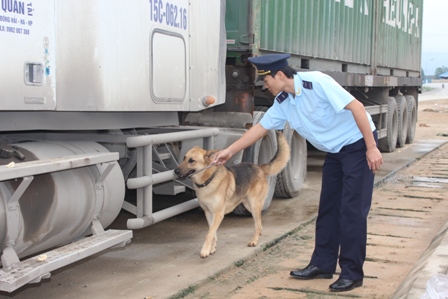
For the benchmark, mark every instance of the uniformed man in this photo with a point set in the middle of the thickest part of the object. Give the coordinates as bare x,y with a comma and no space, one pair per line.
333,121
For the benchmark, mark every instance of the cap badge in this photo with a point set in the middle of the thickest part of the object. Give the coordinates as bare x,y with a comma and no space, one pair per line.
263,72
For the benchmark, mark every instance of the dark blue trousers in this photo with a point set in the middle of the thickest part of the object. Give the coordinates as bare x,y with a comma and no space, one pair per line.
345,200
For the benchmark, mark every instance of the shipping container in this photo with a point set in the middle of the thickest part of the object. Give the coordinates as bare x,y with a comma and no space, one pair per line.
363,37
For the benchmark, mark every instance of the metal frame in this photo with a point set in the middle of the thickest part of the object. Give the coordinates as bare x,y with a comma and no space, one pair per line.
146,153
146,179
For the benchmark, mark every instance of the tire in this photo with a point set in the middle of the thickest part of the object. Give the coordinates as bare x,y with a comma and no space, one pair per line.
290,179
388,143
403,120
261,152
412,118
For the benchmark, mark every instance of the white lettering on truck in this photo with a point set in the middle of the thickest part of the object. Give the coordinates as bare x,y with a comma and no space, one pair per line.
402,14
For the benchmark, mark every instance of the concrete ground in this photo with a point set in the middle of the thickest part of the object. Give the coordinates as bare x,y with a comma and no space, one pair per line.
408,212
162,261
434,261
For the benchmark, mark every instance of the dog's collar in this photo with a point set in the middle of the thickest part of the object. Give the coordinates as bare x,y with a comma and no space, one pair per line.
213,164
207,181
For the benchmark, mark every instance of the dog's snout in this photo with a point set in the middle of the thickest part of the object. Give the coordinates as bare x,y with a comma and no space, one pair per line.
176,171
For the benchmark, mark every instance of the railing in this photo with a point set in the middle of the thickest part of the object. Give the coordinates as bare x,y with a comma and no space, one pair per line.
145,179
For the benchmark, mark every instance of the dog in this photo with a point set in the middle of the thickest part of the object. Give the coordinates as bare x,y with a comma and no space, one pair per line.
220,188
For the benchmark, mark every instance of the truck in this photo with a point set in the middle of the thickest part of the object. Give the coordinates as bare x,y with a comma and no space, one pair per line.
100,102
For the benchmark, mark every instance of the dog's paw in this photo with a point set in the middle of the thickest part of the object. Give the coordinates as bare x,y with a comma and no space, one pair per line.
205,253
213,250
252,244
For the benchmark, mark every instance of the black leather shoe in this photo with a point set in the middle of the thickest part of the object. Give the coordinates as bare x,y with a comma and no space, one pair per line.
343,285
310,272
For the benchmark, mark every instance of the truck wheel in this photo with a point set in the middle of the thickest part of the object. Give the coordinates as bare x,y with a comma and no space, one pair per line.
402,108
388,143
261,152
290,179
412,118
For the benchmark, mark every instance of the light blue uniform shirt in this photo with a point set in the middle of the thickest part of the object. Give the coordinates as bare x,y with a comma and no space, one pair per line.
316,112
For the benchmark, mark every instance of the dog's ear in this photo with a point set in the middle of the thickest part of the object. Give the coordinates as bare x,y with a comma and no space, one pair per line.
210,154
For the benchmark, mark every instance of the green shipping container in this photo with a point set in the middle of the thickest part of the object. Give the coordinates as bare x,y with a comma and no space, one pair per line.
371,37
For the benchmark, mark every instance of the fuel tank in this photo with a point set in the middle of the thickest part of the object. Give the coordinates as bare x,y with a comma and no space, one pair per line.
58,207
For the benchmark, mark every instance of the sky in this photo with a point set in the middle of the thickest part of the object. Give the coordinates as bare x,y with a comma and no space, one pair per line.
434,35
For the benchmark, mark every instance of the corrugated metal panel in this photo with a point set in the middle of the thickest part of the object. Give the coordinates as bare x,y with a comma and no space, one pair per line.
361,32
324,29
399,31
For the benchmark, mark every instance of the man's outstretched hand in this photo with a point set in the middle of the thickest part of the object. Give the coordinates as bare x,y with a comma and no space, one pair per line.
222,156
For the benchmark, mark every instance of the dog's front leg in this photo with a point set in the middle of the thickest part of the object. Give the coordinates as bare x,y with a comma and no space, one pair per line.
209,246
209,216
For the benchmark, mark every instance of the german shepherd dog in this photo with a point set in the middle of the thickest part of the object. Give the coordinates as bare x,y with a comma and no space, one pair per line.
220,188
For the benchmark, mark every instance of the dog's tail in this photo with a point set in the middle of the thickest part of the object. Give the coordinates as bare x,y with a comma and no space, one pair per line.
280,159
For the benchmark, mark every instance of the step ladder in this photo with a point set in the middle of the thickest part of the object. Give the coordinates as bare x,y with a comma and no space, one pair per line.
15,273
